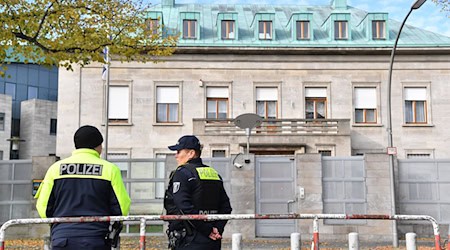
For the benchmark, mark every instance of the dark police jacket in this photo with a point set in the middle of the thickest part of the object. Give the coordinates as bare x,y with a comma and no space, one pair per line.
195,188
82,185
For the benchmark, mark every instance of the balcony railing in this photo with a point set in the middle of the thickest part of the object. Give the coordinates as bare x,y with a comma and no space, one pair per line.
275,127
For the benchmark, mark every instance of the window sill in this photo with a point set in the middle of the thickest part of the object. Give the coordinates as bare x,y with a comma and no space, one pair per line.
168,124
418,125
120,124
366,125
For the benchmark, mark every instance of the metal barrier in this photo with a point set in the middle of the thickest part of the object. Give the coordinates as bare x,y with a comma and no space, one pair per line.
213,217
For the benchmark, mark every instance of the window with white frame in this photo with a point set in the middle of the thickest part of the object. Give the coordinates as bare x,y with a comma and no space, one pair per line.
2,121
228,29
265,30
216,102
365,104
415,105
378,29
326,150
267,102
418,156
315,103
302,30
167,104
189,29
340,30
119,104
218,153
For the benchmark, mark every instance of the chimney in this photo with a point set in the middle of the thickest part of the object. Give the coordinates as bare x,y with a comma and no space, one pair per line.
339,4
168,3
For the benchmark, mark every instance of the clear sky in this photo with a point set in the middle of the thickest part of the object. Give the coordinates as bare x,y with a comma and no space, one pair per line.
429,16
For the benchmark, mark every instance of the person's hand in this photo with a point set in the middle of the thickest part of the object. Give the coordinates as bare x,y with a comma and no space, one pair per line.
215,235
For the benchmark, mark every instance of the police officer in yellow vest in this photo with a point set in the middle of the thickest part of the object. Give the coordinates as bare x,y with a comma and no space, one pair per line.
195,188
82,185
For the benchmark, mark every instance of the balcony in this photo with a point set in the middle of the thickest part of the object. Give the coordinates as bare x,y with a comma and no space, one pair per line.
275,127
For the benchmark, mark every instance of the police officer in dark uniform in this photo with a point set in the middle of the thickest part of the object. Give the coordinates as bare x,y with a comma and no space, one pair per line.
83,185
195,188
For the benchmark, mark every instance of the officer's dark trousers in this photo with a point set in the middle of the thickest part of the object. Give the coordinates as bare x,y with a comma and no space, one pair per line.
201,242
81,243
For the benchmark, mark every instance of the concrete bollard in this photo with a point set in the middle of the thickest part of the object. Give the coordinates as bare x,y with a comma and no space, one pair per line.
411,241
353,241
236,241
295,241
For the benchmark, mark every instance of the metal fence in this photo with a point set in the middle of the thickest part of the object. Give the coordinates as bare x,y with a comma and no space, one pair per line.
15,189
344,187
423,188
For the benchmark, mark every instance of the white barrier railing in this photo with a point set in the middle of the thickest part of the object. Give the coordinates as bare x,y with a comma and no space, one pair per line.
213,217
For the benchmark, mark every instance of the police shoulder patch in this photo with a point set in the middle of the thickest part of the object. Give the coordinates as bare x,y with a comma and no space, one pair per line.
176,186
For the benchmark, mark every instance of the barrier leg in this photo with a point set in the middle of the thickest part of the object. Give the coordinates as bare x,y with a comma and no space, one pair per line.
353,241
316,234
236,241
437,242
448,239
411,241
295,241
142,235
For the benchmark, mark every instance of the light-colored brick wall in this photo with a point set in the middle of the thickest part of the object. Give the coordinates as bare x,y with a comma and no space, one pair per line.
35,128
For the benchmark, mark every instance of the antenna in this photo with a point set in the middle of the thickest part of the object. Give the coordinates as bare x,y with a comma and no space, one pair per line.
248,121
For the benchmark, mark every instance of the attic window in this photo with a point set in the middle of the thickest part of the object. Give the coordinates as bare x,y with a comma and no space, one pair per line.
228,29
152,25
302,30
189,29
378,29
265,30
340,30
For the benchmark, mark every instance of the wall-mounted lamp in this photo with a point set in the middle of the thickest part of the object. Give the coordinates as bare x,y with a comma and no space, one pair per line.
200,83
15,142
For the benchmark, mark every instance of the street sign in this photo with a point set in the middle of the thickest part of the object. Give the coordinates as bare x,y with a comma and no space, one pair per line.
392,150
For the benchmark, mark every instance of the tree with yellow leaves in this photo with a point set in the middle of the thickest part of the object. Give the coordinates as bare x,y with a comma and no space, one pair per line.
66,32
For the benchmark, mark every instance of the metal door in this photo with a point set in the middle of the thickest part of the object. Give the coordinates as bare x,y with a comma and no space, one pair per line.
275,194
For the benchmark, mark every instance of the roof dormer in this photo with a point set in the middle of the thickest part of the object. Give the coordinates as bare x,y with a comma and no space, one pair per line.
300,24
227,26
263,23
375,26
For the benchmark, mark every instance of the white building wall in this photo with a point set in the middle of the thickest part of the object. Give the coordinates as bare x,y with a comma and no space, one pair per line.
5,134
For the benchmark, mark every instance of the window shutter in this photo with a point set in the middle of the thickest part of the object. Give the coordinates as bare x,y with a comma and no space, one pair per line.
217,92
366,98
415,94
167,95
316,92
266,94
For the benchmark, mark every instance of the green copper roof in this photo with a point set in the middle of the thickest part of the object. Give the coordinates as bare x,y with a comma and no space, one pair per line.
284,17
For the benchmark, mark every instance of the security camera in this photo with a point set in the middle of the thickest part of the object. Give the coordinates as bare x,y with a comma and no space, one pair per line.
237,165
